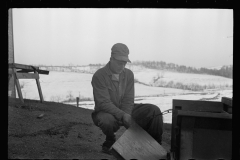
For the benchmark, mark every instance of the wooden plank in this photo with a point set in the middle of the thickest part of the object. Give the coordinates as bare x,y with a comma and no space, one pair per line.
27,68
42,71
186,141
136,143
39,71
194,105
27,75
223,115
25,71
21,66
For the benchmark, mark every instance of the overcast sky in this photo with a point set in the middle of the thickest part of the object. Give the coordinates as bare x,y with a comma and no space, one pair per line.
190,37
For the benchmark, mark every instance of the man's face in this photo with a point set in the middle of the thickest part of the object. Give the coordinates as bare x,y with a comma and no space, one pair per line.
117,66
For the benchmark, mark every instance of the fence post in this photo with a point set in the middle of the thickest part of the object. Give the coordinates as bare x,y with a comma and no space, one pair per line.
77,101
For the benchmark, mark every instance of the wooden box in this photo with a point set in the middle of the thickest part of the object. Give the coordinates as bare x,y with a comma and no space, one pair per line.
201,130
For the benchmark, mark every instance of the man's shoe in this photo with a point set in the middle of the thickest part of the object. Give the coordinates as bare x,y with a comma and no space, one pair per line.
106,146
106,150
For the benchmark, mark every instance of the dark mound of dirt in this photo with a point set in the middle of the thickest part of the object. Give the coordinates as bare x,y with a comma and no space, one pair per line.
56,131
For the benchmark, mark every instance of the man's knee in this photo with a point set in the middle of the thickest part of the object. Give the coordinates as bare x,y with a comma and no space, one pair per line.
155,109
107,122
146,108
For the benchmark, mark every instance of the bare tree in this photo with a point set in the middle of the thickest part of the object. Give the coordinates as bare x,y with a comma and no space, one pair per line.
22,84
69,96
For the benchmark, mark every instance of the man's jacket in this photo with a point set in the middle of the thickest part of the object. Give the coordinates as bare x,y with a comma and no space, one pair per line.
112,96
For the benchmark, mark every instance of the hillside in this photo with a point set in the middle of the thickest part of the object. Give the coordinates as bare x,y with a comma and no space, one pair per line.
56,131
162,77
224,70
160,74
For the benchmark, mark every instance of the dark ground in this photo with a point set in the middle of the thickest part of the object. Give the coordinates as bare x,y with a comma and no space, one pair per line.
57,131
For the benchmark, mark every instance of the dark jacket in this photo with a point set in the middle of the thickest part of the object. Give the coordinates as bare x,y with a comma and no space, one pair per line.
112,96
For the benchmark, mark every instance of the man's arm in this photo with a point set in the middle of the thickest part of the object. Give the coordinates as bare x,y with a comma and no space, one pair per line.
102,98
128,98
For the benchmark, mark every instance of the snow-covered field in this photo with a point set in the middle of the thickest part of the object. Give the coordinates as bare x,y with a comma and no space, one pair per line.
185,78
58,86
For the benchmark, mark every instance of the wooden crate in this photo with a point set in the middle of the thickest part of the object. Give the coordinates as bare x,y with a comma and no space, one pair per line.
201,130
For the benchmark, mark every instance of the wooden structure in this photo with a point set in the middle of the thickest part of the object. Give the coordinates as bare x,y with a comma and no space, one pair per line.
20,71
11,84
201,130
136,143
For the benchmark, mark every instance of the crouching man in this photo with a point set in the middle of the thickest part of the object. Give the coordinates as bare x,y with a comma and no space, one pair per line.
113,91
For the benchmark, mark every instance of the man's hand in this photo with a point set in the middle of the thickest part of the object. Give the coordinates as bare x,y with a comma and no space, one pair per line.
126,120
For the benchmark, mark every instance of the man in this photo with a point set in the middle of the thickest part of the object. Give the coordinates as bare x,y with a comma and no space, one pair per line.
113,91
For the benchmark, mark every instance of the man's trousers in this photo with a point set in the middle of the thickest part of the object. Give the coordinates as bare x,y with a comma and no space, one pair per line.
148,116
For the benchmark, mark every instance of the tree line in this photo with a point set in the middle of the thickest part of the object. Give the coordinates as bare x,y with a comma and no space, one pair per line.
225,71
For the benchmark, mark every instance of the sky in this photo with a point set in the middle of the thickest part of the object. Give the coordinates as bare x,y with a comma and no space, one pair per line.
62,36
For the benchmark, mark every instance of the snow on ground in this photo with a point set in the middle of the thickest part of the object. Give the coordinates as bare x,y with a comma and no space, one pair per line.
147,75
60,84
57,86
143,90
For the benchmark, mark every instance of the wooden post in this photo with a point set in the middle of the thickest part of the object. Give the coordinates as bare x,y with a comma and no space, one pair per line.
16,81
77,101
11,84
39,88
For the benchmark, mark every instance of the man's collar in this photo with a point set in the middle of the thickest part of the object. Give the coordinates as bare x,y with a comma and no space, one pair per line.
108,70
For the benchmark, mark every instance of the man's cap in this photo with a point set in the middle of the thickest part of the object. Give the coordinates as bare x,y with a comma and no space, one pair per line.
120,52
